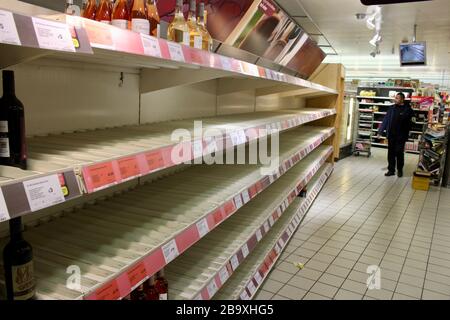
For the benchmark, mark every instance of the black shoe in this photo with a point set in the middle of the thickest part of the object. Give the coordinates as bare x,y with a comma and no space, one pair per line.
400,174
389,173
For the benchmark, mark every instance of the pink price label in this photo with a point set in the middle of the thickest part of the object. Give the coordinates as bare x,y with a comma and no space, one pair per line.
155,160
129,167
108,292
137,274
99,176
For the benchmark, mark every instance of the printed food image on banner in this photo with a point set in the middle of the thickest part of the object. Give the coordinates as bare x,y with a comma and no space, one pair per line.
259,27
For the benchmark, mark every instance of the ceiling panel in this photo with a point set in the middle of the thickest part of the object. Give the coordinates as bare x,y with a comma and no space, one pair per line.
350,37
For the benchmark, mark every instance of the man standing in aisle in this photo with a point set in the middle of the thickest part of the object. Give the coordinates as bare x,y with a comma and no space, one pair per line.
397,124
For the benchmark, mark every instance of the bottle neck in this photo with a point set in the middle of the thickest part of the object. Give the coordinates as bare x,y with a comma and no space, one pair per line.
9,88
179,9
201,21
15,229
191,17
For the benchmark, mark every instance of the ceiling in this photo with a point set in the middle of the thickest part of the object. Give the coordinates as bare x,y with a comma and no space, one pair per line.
350,37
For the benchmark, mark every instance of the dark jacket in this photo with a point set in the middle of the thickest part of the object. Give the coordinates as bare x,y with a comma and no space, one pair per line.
403,124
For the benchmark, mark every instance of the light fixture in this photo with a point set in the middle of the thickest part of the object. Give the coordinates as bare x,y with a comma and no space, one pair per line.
376,40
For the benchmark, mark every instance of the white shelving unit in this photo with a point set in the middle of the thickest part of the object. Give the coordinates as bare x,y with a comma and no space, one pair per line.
101,121
244,283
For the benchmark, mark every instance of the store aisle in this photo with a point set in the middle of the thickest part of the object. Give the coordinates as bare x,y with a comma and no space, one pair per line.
362,218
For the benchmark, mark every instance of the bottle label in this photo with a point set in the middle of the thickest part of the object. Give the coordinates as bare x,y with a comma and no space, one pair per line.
158,31
4,127
4,148
186,39
140,26
178,36
163,296
120,23
198,42
23,281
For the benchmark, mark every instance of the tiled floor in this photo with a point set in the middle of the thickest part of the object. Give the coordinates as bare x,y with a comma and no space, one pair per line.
362,218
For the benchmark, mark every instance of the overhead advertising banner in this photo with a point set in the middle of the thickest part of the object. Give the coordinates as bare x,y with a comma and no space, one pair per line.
259,27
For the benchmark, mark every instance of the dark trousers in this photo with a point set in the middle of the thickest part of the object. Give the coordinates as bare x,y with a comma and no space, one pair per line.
396,154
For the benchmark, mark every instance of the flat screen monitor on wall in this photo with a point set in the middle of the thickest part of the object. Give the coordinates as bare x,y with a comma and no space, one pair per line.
413,54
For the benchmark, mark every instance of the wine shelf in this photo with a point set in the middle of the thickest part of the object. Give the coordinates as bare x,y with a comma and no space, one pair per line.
244,283
148,227
94,160
205,267
108,45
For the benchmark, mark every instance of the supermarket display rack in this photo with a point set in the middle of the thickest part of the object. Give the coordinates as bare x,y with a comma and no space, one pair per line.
120,242
433,153
107,158
363,141
244,283
211,261
378,98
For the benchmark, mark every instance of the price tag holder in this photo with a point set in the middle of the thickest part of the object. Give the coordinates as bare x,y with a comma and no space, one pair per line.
176,51
4,214
258,278
8,30
258,235
244,295
53,35
212,288
277,249
151,46
43,192
271,221
234,262
246,196
226,63
238,201
251,287
170,251
245,251
202,227
223,275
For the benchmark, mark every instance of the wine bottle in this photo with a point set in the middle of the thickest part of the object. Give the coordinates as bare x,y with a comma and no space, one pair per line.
195,39
207,41
18,264
13,151
83,7
121,14
150,290
153,18
161,285
104,12
90,10
139,17
72,9
178,30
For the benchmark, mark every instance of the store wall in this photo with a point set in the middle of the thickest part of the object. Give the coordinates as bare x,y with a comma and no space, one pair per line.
182,102
65,97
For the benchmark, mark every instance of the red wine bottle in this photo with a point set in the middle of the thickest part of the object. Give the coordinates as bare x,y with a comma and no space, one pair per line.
13,151
18,264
